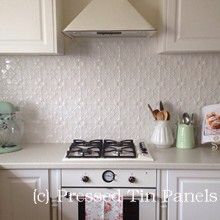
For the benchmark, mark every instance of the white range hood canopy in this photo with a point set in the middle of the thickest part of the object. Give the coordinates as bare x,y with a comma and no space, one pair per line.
109,18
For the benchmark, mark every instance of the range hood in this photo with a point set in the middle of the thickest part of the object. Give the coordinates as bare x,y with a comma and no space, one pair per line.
104,18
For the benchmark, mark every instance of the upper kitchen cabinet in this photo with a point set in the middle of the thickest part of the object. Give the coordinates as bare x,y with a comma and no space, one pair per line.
30,27
190,26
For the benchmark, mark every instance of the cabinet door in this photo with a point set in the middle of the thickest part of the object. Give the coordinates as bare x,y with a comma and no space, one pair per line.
28,26
190,25
199,195
17,189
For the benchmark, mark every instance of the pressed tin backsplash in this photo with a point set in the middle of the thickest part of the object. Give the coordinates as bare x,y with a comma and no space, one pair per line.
101,88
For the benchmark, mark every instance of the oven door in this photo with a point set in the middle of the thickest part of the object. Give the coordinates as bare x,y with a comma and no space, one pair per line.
138,204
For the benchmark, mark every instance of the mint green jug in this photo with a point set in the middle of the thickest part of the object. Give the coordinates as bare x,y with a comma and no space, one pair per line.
185,136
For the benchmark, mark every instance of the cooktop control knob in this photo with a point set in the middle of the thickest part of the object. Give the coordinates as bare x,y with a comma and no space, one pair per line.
143,148
85,179
132,179
150,196
108,176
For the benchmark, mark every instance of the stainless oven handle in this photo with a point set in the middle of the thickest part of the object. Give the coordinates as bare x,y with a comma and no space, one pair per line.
150,197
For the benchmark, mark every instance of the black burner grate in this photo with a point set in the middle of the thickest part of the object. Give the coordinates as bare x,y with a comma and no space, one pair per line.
119,149
84,149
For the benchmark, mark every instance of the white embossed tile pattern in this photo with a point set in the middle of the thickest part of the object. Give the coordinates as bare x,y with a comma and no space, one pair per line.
101,88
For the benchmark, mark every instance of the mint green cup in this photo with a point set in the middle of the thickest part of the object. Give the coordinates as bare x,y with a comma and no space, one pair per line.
185,136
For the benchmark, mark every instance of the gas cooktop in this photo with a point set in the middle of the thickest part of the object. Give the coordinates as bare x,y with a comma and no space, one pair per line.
107,149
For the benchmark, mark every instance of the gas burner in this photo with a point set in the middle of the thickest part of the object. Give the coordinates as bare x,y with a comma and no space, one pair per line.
100,148
84,149
118,143
121,149
83,143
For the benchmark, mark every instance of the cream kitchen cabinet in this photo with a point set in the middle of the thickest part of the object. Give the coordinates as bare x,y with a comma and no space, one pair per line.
195,195
17,193
190,26
30,27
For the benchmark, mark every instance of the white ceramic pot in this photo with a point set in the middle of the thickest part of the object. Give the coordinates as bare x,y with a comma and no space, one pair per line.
162,136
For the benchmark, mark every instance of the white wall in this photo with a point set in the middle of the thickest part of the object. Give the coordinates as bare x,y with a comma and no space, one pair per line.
101,88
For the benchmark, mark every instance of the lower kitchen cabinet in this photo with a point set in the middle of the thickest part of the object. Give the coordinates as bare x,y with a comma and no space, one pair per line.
185,194
17,193
195,195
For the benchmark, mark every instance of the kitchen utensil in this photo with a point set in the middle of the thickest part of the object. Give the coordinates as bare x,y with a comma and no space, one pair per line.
151,110
160,116
163,116
192,120
166,115
186,119
156,111
161,106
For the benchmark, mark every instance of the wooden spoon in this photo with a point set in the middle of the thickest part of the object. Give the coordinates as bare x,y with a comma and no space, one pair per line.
155,113
160,116
166,115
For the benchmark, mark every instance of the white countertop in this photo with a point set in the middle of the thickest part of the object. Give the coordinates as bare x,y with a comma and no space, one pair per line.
49,156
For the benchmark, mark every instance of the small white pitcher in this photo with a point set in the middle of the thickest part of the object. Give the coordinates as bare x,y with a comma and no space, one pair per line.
162,136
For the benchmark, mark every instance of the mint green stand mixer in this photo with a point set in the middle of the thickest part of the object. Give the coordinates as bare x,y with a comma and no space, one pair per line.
11,128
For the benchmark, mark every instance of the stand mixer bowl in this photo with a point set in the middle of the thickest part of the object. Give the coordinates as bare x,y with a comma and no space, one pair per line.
11,128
